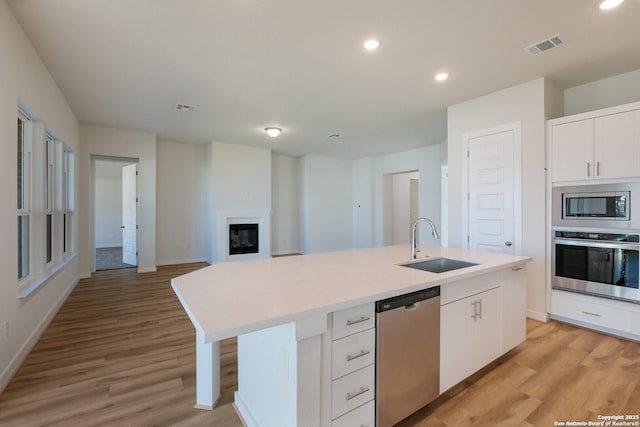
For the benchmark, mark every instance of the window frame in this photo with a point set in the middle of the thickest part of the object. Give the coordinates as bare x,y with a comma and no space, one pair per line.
24,192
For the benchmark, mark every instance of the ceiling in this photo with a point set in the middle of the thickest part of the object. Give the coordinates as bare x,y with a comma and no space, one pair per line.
300,65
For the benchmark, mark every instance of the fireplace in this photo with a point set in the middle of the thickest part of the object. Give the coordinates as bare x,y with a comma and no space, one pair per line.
243,239
242,234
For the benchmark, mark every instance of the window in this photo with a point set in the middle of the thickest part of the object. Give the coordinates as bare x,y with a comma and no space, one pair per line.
45,185
24,195
49,160
67,198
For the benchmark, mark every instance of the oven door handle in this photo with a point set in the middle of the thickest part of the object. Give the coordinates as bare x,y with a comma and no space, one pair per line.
598,244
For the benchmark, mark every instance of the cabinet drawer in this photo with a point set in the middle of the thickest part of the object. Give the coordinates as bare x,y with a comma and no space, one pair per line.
364,416
351,391
588,309
353,320
351,353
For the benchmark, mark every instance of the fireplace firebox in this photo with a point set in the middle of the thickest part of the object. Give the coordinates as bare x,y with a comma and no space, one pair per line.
243,239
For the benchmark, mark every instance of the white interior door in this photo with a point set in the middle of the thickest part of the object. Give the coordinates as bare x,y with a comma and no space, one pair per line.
491,192
130,214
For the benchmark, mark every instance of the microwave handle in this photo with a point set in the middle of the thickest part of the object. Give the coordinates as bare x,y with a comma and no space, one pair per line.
598,244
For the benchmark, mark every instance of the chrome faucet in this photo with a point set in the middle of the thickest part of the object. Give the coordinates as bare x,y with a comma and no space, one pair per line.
414,241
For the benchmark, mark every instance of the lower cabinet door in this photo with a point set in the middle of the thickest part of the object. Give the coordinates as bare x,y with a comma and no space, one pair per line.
470,336
363,416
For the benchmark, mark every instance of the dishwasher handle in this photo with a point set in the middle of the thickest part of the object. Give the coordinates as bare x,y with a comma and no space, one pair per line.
408,301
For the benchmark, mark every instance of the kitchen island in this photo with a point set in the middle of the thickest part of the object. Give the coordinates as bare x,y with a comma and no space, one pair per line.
282,310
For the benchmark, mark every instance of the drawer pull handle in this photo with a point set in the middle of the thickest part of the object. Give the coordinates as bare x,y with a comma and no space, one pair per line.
592,314
358,320
361,353
517,268
353,394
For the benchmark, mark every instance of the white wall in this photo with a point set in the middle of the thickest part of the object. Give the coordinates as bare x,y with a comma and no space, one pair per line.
363,175
524,103
326,199
400,205
23,76
371,174
285,202
240,179
108,212
609,92
109,142
181,203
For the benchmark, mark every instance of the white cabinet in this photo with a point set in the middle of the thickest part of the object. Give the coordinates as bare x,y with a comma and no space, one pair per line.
596,312
606,146
352,366
364,416
470,336
572,148
617,145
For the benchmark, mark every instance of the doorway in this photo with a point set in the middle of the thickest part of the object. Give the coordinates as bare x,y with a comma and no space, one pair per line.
115,213
401,206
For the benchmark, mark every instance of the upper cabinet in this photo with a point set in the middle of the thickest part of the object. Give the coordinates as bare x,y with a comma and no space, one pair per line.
605,146
572,150
617,145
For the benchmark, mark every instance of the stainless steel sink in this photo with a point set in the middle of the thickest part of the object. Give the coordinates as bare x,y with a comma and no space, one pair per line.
439,265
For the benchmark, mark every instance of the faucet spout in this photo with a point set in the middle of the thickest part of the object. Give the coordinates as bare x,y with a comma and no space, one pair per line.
415,247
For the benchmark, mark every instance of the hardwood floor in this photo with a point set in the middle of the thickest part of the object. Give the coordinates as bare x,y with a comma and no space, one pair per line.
121,352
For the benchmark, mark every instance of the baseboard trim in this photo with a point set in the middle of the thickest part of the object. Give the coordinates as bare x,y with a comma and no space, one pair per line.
536,315
243,411
151,269
25,349
180,261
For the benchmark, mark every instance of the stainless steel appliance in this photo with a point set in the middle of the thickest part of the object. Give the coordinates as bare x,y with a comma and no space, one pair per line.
407,354
615,206
597,262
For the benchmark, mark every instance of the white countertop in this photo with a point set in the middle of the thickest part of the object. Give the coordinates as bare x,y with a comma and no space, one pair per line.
229,299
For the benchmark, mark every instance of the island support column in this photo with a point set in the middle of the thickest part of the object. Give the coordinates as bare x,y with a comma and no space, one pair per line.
207,372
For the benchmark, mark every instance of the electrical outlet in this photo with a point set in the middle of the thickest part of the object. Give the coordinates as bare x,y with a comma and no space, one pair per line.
6,329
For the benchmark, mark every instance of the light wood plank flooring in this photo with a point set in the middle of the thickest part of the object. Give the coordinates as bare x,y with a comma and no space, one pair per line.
121,352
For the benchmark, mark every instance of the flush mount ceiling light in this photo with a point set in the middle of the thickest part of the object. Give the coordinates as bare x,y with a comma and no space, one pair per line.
371,44
609,4
441,76
272,132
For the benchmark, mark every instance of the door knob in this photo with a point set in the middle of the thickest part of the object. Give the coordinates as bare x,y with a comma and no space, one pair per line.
507,243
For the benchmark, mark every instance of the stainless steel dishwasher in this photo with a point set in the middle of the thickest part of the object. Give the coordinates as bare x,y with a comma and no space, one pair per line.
407,354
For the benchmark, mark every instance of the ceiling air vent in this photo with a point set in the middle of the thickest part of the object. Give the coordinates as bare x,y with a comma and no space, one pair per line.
544,45
186,107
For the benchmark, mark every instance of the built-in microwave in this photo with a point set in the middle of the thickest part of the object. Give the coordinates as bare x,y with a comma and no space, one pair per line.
597,206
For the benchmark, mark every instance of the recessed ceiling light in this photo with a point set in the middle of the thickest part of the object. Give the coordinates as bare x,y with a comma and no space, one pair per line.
609,4
371,44
272,132
441,76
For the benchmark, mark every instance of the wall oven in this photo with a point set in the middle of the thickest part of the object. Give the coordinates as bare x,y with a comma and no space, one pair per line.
598,263
596,239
